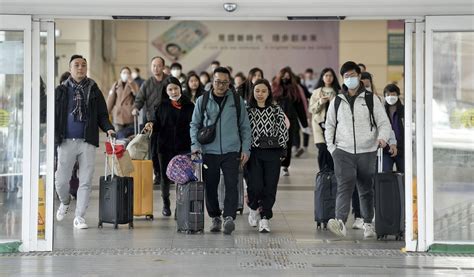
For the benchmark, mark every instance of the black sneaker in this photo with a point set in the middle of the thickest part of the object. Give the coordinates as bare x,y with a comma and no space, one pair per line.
299,152
229,225
216,225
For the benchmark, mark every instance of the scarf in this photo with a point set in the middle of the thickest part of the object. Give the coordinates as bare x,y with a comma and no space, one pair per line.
79,110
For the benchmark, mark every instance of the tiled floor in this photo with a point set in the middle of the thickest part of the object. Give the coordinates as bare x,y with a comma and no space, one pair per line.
293,248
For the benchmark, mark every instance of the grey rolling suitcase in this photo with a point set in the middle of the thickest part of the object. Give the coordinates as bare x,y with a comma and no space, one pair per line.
190,205
389,202
240,189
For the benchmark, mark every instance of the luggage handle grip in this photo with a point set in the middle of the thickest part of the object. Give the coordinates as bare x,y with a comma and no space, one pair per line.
112,144
379,160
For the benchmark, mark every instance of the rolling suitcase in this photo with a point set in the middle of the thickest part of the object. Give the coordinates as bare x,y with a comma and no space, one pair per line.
325,191
143,188
142,185
240,190
389,202
115,198
190,204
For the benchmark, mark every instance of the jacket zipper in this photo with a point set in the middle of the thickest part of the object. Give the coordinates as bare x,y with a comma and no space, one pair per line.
353,124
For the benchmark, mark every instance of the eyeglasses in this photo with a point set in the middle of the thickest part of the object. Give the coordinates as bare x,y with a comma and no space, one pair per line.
221,83
350,74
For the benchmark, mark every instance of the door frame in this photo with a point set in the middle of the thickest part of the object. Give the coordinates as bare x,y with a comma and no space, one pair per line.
436,24
23,23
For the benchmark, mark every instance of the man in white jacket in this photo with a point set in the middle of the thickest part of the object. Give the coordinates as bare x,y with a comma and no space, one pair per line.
356,125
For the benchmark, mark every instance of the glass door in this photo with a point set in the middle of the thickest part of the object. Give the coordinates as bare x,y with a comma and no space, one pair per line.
15,123
450,130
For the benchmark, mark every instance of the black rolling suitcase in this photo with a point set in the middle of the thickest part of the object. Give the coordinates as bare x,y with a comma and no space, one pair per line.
190,204
325,192
389,202
115,198
240,191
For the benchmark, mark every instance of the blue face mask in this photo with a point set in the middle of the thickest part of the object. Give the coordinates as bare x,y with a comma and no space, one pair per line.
351,82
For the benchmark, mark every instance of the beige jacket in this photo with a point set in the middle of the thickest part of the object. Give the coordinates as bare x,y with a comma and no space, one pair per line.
318,112
120,102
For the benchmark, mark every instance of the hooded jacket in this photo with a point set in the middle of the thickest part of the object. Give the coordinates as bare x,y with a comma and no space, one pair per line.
227,132
354,133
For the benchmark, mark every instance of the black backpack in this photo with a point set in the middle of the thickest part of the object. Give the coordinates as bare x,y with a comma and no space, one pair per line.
369,101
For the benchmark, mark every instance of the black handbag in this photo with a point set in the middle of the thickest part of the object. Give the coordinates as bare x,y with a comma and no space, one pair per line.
270,142
207,134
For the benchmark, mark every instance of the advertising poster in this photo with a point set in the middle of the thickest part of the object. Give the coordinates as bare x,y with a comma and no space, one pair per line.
243,45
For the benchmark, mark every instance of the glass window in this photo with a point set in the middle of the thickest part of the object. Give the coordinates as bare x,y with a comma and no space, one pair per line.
453,136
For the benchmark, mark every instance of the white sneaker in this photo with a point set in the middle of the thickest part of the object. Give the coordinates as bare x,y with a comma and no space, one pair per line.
62,211
337,227
285,171
80,223
369,230
358,223
264,226
253,217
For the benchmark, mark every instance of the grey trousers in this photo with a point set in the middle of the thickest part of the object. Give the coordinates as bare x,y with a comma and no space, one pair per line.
351,170
68,152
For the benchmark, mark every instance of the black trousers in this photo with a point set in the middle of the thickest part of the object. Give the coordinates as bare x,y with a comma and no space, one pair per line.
153,153
294,129
263,172
356,203
324,157
229,164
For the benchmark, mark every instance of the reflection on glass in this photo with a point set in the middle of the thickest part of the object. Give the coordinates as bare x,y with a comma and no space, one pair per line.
43,139
453,136
11,133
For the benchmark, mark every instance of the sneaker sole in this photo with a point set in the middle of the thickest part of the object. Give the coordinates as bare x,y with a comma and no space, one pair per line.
229,228
333,226
264,231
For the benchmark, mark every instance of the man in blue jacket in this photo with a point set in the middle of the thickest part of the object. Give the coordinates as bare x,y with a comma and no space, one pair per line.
229,150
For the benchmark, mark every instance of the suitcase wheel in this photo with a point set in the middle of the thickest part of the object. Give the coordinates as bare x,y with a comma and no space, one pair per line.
325,226
318,225
115,226
130,225
100,226
149,217
241,211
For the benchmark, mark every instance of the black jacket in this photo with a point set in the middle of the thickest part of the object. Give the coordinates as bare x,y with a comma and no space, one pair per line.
199,92
401,123
172,126
97,115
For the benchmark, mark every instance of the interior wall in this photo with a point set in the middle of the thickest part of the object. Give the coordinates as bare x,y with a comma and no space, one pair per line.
360,41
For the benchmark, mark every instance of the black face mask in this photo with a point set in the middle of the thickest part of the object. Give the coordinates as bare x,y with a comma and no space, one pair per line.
285,81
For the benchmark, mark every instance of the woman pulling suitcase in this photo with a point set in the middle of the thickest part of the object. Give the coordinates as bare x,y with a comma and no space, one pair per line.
269,142
173,116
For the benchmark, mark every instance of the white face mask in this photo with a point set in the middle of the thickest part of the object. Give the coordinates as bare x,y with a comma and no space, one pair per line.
176,73
391,100
134,75
124,77
175,98
351,82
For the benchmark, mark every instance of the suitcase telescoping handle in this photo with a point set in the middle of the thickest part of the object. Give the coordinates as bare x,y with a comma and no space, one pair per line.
379,160
197,159
135,125
112,144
